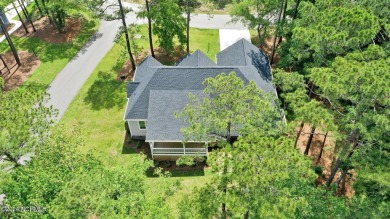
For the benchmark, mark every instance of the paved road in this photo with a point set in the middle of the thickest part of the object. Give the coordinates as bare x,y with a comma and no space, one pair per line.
70,80
204,21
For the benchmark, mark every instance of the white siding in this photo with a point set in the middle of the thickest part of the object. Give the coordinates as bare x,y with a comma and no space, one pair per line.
134,129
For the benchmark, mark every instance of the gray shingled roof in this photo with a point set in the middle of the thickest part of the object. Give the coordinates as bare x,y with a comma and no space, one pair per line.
162,89
131,88
243,53
144,69
198,58
171,79
162,123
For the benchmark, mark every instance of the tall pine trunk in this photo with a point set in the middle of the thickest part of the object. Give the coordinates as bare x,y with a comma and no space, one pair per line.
339,162
322,148
126,35
20,18
228,140
26,14
296,9
188,30
4,63
39,8
47,11
341,177
277,31
10,43
298,134
313,129
150,30
283,21
258,32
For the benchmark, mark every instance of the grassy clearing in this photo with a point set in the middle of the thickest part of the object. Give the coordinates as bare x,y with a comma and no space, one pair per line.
98,111
53,57
206,40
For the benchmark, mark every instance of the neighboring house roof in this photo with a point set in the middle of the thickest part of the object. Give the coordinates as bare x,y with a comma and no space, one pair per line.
162,123
154,81
198,58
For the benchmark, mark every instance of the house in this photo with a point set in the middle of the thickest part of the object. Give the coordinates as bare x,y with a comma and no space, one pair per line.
159,91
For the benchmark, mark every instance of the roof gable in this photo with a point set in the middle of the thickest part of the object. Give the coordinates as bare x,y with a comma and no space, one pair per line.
244,53
198,58
146,68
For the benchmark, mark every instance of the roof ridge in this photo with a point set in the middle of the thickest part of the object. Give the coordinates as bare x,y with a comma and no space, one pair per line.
243,45
198,56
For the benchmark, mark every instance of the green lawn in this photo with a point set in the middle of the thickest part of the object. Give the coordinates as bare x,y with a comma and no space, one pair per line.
206,40
98,111
53,57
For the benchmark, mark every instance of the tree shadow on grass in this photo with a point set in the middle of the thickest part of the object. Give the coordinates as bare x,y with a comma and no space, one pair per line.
106,93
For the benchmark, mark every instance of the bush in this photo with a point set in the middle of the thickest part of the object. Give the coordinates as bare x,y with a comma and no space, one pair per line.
166,164
185,161
318,170
1,83
199,159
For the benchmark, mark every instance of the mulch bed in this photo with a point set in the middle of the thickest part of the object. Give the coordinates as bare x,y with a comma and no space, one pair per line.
171,165
49,33
18,74
45,31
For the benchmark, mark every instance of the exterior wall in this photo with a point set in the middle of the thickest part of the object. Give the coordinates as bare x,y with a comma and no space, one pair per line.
135,132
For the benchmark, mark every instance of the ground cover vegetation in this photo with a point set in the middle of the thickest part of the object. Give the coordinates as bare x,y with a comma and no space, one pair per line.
332,76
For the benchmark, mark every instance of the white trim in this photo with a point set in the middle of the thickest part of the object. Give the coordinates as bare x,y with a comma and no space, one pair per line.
176,141
132,120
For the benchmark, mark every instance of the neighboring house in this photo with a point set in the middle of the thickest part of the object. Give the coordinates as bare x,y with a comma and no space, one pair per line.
159,91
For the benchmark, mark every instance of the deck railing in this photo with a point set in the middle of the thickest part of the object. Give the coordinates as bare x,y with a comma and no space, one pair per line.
180,151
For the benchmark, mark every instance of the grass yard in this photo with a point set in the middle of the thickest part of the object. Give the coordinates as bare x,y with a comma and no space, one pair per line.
53,57
98,111
203,39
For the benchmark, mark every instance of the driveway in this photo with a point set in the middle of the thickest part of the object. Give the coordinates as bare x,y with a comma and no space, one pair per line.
228,37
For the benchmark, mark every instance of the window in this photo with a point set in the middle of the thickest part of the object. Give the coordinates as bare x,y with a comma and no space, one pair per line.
142,124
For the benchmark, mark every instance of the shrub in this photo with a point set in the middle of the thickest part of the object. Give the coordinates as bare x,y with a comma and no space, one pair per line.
138,145
166,164
1,83
185,161
199,159
318,170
